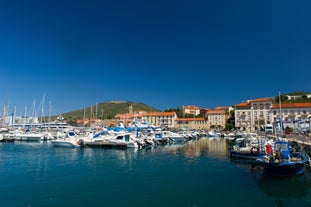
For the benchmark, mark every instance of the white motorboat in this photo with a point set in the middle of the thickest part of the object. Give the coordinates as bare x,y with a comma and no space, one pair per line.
67,142
29,136
70,141
124,138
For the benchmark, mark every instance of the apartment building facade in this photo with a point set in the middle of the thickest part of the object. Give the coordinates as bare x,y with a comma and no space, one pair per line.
163,119
217,118
254,114
191,123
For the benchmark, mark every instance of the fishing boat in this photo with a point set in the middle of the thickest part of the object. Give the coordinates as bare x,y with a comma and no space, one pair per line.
284,161
248,148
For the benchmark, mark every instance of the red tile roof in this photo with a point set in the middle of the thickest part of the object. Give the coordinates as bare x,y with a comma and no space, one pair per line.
145,114
262,100
159,114
243,104
258,100
192,107
216,111
292,105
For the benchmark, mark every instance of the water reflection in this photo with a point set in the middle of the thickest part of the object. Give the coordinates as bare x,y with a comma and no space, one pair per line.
207,147
285,188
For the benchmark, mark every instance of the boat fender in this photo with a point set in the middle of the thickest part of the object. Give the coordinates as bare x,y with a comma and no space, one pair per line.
254,150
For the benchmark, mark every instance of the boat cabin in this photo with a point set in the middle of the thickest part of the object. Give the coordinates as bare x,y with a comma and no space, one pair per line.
282,147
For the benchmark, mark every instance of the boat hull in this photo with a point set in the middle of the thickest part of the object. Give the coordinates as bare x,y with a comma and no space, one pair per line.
7,140
244,155
31,137
28,138
65,144
104,144
284,169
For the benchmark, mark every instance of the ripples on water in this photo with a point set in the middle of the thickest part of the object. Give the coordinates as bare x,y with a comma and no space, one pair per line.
198,173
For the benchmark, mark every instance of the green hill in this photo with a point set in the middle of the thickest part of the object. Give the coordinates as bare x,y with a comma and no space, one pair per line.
302,99
106,110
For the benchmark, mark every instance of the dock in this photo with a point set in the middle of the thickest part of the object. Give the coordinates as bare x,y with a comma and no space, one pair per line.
301,139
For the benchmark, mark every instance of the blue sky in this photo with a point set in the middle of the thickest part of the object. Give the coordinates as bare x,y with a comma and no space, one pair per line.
164,53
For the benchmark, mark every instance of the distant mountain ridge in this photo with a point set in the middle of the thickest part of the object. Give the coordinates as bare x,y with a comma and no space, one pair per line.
106,110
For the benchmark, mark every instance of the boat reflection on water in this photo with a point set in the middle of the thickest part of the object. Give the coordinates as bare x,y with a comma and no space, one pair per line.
211,148
286,187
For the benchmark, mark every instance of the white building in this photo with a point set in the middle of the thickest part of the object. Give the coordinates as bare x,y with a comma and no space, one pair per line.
190,110
253,114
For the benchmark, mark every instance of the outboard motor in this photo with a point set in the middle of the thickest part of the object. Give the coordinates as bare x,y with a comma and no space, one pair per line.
81,142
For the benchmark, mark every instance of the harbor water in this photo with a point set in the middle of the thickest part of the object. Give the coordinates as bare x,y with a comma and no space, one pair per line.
198,173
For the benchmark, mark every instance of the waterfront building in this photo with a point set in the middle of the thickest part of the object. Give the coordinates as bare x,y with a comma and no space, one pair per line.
194,110
89,122
253,114
294,115
127,119
163,119
217,118
191,123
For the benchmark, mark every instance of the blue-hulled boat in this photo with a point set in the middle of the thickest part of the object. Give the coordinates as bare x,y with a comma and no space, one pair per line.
284,161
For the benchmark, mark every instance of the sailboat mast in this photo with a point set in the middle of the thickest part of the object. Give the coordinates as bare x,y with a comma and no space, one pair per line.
280,108
83,117
42,107
96,111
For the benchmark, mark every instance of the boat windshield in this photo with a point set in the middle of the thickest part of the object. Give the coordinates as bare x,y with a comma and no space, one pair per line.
281,147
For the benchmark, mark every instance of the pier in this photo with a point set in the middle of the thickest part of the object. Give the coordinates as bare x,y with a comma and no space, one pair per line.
301,139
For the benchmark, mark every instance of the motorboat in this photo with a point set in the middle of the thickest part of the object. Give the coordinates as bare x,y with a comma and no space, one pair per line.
284,161
248,148
70,141
29,136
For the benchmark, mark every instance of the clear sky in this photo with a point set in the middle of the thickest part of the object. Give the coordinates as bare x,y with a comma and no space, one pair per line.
164,53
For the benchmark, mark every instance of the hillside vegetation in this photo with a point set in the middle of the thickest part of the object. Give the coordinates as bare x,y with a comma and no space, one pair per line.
302,99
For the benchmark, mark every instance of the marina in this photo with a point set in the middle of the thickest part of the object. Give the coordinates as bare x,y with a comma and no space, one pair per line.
155,103
197,173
